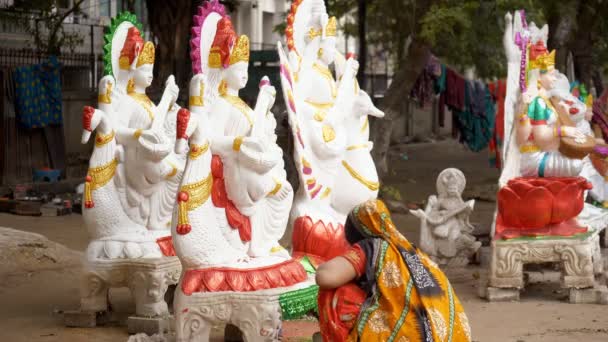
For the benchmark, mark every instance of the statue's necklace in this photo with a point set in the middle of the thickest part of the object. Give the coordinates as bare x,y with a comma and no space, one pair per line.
240,105
324,71
144,101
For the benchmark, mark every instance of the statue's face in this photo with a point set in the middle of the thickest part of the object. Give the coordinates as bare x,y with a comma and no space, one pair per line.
329,50
450,182
237,75
143,75
548,79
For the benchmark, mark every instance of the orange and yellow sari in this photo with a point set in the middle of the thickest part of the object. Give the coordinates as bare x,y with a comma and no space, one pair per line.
409,299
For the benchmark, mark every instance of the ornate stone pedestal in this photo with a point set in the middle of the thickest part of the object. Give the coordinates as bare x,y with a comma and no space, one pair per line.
580,258
148,280
257,314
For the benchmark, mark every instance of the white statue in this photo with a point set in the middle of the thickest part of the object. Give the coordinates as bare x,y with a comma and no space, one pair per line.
233,202
445,230
141,174
328,120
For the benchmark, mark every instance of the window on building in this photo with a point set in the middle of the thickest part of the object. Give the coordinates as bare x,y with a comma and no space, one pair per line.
105,8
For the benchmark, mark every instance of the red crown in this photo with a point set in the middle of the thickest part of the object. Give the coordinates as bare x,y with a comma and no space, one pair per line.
224,39
134,43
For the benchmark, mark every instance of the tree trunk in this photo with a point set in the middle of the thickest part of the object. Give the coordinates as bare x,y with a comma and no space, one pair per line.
362,12
562,25
170,23
582,46
403,81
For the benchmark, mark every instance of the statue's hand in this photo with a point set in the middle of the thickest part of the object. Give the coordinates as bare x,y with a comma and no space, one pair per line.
171,89
267,92
153,137
253,144
573,132
197,85
106,84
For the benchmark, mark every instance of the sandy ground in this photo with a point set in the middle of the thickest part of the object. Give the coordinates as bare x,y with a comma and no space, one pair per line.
32,299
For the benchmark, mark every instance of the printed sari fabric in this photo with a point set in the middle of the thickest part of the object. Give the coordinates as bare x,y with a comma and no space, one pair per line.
408,298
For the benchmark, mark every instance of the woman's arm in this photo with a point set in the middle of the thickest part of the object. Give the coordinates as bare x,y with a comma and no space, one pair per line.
335,273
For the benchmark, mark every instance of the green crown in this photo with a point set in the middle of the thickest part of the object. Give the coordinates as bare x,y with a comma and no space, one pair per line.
107,38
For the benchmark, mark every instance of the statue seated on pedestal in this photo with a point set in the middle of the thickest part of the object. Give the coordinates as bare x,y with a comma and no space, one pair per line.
446,233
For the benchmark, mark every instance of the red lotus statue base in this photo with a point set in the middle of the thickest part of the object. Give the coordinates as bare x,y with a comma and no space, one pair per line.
530,206
318,241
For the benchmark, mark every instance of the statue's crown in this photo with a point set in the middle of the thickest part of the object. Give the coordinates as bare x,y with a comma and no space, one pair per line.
130,49
331,28
540,58
240,52
147,55
226,48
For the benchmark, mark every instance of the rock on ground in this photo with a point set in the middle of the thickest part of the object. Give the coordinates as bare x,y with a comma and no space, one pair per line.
22,252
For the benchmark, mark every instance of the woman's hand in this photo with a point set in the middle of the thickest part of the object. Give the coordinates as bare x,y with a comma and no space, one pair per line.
335,273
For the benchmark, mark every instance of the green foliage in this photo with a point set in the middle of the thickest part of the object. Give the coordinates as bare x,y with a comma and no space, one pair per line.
390,192
44,22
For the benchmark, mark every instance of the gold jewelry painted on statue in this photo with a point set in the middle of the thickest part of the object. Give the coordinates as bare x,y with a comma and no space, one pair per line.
605,204
145,102
197,100
331,29
239,104
102,139
137,133
107,96
223,88
357,147
197,150
328,133
96,178
320,105
192,196
147,55
319,116
276,188
326,193
277,248
173,171
529,149
314,33
123,63
538,84
324,71
236,144
373,186
215,59
365,124
320,53
130,86
240,52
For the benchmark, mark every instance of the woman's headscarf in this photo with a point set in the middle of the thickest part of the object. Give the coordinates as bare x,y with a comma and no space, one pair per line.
411,299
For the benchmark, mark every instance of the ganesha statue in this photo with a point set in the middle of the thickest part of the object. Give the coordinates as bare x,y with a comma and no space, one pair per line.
547,145
329,122
445,231
234,200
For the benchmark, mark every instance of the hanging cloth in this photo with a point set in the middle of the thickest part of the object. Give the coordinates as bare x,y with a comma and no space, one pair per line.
475,130
498,89
38,94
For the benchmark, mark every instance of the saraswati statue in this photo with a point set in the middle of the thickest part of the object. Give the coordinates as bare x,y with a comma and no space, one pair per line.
134,174
234,200
328,119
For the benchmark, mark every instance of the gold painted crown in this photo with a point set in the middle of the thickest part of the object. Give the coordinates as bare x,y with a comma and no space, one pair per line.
147,55
331,28
544,62
240,53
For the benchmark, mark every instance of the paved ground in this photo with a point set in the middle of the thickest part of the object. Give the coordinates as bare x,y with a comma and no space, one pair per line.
31,300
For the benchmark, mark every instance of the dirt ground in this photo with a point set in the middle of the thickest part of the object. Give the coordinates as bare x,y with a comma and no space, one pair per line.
31,300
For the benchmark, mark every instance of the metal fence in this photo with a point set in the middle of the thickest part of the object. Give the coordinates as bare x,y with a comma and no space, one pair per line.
78,70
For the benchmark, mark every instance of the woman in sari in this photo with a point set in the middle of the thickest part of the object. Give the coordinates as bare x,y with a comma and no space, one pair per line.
385,289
